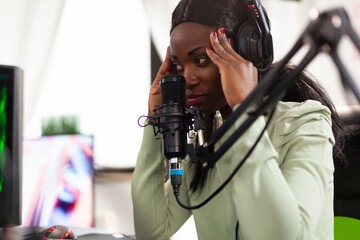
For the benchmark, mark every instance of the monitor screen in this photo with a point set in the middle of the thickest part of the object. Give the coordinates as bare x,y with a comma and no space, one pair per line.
11,82
58,181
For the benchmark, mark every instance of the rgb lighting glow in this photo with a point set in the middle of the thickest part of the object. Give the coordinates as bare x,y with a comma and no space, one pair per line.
3,99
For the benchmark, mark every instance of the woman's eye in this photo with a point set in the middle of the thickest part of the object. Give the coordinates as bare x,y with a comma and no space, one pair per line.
178,67
201,60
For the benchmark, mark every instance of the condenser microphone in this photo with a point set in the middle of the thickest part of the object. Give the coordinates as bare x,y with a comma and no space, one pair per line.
173,124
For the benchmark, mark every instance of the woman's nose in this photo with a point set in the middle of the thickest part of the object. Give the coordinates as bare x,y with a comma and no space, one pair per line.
190,77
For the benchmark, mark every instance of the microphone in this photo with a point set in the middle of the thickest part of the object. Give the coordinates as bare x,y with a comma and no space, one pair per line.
173,124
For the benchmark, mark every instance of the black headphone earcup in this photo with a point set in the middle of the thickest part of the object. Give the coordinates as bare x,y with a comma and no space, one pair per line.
247,43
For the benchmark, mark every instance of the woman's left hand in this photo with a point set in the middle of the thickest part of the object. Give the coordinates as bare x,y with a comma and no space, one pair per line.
238,76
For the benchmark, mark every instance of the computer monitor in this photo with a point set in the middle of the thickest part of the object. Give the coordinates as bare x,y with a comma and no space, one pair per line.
58,181
11,111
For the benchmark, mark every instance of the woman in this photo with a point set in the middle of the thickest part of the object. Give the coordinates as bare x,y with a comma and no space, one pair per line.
285,188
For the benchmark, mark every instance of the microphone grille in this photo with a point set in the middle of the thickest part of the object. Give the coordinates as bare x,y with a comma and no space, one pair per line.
173,89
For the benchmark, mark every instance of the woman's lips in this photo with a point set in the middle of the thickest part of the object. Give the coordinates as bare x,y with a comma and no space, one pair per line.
194,99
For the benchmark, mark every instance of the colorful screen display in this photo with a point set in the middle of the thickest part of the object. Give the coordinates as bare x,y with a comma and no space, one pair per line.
58,181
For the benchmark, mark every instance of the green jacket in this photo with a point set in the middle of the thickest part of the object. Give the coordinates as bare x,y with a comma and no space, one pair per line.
283,191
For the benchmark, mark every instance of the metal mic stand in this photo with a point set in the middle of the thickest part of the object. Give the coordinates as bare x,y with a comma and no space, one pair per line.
322,35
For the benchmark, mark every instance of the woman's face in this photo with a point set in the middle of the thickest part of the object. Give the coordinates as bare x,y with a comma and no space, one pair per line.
188,45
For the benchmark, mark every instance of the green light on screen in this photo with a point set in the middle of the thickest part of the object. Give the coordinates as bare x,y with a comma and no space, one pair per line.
3,99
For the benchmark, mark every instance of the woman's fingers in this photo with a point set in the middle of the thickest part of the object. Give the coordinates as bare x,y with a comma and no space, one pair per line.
166,67
155,90
238,76
224,46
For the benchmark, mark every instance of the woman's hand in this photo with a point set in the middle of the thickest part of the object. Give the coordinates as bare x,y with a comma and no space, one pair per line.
238,76
155,90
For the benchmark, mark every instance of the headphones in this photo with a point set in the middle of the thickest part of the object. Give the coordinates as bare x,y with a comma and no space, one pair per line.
253,39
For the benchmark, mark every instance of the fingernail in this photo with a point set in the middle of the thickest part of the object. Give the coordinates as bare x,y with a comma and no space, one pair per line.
222,30
208,48
214,34
230,40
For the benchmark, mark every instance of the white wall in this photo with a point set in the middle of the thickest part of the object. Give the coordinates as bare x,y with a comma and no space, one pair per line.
113,205
289,19
100,72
